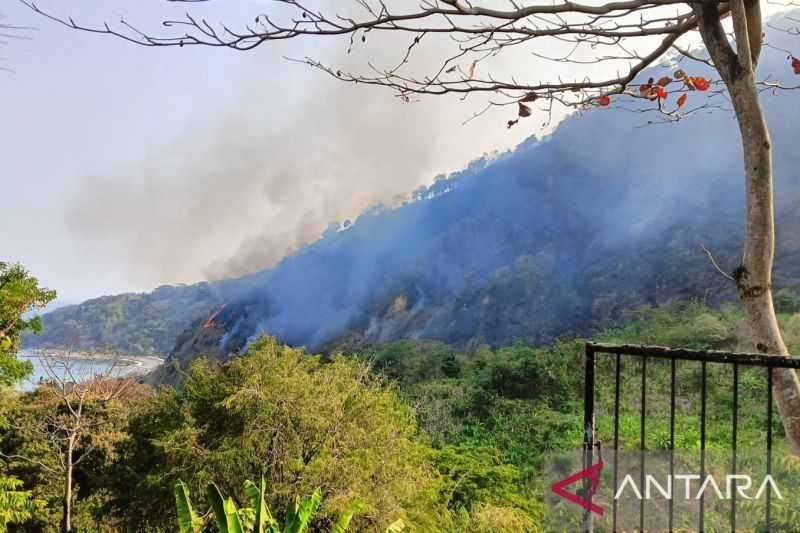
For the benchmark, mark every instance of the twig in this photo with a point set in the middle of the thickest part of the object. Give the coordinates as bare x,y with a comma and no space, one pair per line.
716,265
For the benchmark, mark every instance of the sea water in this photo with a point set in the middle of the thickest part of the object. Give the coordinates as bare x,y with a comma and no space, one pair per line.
74,369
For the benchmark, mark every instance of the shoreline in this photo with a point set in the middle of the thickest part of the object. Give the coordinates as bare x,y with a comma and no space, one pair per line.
143,363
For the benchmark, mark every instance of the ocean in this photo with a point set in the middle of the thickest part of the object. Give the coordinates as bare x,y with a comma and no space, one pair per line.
82,368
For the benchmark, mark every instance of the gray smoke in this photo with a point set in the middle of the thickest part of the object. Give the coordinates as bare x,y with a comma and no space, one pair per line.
247,185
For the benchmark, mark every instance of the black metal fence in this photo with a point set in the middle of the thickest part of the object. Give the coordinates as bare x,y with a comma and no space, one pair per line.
595,351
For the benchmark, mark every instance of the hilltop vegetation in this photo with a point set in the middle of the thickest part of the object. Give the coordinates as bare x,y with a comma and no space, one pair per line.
146,323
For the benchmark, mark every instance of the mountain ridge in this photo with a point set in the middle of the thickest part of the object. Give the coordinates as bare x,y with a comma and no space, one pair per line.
560,235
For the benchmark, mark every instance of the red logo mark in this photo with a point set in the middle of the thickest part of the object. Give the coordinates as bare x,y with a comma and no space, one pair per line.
593,472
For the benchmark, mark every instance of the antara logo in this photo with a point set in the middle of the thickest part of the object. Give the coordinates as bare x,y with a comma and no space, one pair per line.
592,472
735,485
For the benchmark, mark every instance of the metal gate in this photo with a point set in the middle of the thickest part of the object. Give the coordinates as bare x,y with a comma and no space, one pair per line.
596,352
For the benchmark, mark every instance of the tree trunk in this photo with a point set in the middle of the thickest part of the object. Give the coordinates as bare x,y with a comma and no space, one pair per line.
66,519
754,276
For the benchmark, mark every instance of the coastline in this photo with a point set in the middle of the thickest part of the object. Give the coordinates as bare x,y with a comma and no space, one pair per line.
143,363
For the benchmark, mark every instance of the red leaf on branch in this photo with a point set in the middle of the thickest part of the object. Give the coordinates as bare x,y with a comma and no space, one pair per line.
530,97
661,93
682,100
663,82
604,100
524,111
796,65
700,83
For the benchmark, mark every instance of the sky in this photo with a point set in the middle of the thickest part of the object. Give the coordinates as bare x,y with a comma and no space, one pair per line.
125,168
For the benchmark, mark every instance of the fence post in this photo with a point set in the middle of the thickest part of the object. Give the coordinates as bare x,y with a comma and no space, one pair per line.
588,432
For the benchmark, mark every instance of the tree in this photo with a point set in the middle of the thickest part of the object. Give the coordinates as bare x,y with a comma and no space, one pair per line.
263,414
65,421
19,294
633,35
15,505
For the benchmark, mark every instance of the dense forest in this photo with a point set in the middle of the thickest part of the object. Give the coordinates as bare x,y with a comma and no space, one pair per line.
145,323
418,433
414,367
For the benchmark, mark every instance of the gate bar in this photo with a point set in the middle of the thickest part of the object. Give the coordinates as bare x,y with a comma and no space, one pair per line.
642,441
768,524
617,370
671,437
588,433
735,424
703,402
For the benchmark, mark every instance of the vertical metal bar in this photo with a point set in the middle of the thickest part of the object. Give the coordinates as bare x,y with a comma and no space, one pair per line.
588,432
703,379
735,428
671,438
642,439
616,441
768,521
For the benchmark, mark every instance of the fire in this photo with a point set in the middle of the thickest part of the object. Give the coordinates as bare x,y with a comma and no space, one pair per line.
211,322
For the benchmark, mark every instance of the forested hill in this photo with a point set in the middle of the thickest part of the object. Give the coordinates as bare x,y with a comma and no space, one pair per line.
559,235
137,323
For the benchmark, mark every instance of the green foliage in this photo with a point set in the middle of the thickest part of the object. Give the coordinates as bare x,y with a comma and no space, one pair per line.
333,425
489,518
524,372
343,522
415,361
225,513
263,518
478,474
16,505
300,514
468,456
188,521
790,324
687,325
19,294
786,301
34,447
228,518
145,323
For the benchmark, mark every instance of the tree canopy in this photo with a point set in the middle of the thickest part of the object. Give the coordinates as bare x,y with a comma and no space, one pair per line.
20,294
297,421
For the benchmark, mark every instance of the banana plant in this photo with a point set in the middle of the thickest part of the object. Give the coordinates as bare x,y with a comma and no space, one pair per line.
226,515
225,511
188,521
264,522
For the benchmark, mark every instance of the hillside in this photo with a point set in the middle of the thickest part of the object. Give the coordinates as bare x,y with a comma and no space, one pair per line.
562,234
134,323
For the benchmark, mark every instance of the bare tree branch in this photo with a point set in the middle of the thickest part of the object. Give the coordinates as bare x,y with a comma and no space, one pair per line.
716,265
